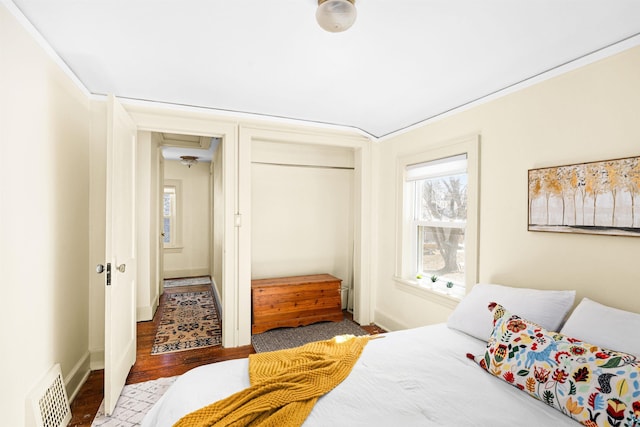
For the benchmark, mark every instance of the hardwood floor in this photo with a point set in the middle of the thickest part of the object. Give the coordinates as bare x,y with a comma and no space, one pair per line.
150,367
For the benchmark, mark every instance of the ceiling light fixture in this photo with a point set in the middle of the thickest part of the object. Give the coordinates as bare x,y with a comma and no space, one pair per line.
188,160
336,15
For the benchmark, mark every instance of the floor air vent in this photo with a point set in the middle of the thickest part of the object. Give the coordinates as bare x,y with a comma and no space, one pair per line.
49,401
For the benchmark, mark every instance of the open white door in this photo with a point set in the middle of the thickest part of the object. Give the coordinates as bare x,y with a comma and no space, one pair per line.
120,293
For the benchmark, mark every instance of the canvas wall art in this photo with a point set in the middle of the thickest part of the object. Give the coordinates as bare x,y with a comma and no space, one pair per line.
595,198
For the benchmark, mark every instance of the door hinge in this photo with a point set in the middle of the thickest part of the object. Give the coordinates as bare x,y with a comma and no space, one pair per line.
238,220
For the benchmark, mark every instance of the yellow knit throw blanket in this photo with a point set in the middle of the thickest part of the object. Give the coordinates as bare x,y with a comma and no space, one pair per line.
285,385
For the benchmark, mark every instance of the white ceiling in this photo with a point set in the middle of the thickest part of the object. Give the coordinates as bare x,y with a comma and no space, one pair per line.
403,61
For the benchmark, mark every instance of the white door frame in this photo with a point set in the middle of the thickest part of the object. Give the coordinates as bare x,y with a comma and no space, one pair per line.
156,119
363,230
236,158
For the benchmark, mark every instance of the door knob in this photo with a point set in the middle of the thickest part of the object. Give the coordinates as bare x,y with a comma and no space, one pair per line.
99,268
122,267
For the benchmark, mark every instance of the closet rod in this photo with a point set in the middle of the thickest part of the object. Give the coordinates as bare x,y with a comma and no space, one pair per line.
303,166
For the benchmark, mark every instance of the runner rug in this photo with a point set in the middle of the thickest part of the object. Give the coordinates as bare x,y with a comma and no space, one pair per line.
281,338
189,320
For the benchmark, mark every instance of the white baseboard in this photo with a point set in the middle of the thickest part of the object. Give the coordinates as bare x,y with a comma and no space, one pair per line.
192,272
144,314
386,322
216,297
78,375
97,359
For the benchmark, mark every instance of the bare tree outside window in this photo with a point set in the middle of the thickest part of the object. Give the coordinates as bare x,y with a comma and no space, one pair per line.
441,214
443,200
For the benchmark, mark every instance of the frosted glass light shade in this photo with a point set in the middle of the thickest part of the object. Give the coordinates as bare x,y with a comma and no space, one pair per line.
336,15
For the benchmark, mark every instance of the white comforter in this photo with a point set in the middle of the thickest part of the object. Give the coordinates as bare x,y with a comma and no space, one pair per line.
416,377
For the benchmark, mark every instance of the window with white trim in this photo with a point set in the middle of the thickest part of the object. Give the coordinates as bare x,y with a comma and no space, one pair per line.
169,216
172,214
439,218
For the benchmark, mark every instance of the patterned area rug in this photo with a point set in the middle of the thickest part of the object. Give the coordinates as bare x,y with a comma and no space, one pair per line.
187,281
277,339
189,320
133,404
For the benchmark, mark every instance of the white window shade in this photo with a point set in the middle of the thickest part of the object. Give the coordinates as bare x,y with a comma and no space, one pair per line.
437,168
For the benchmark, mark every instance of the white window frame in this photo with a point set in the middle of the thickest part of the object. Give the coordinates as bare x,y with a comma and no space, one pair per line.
406,237
176,224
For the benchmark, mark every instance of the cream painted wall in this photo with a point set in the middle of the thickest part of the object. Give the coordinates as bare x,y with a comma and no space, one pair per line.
302,221
44,224
591,113
147,211
193,257
301,211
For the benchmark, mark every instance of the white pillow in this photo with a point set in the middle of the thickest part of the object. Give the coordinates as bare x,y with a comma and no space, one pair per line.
546,308
604,326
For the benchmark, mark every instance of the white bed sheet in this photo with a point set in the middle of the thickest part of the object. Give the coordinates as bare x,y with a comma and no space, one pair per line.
415,377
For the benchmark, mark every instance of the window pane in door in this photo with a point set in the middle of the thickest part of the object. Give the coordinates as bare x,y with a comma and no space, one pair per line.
167,230
169,213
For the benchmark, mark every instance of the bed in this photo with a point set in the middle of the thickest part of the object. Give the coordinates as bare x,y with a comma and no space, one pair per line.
422,376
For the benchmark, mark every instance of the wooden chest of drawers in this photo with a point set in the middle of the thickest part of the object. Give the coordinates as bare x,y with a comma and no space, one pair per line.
295,301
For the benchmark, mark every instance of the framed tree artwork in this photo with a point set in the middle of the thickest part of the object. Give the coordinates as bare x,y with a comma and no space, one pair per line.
594,198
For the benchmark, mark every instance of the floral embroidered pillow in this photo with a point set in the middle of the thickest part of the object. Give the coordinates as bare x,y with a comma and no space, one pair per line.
592,385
